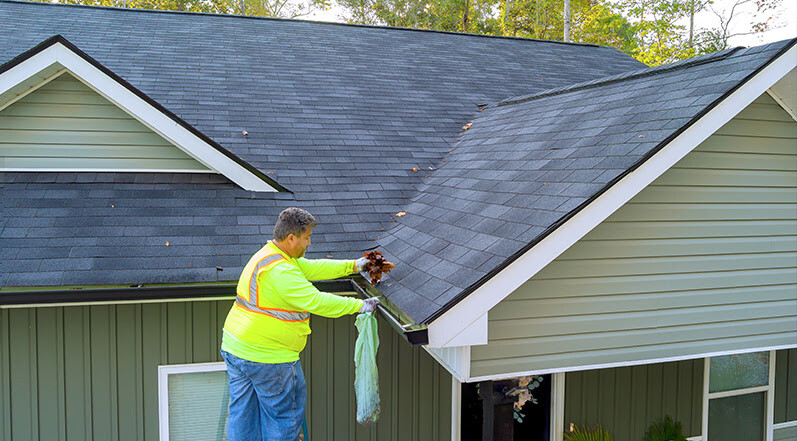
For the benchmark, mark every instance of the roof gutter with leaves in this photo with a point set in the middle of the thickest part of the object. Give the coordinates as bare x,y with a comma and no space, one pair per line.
61,296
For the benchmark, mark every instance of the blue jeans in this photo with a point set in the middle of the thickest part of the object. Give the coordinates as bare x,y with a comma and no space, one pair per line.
266,400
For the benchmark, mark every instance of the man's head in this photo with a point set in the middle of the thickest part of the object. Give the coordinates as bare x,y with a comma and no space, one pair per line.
292,231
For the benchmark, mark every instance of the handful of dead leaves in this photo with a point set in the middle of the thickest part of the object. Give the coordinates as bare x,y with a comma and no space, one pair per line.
377,265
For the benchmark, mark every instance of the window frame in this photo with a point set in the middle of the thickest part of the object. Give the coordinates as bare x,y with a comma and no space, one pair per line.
163,388
769,390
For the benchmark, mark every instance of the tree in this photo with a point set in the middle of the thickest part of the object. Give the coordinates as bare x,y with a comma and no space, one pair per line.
716,38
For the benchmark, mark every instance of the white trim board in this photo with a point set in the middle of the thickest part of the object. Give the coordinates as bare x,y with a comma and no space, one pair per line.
444,329
57,59
507,375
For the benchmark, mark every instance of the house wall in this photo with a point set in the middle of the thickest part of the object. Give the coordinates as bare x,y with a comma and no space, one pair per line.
90,372
627,400
702,260
65,125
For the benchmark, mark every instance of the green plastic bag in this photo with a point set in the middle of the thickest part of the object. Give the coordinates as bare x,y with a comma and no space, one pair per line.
366,377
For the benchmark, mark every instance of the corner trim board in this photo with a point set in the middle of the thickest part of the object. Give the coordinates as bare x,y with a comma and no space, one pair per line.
452,322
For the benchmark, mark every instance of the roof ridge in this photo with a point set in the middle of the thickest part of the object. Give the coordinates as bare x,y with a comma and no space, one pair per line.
255,17
634,74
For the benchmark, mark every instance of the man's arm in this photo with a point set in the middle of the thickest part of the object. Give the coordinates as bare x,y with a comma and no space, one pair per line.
325,269
296,290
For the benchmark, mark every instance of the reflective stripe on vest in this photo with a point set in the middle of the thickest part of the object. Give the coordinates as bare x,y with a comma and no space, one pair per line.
251,303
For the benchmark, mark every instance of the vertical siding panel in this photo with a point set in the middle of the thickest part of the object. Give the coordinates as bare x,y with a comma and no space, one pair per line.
591,395
179,339
606,396
405,393
384,359
696,427
101,382
669,395
622,403
48,397
5,376
153,342
573,397
655,386
204,336
129,366
639,380
76,390
684,411
22,347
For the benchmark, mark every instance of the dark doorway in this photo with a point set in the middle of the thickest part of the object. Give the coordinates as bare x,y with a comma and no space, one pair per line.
530,423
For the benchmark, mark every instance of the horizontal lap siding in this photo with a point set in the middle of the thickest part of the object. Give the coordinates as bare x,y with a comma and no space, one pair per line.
66,125
90,372
703,260
627,400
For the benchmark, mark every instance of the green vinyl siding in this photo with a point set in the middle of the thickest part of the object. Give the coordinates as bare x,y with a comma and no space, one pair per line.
702,260
66,125
90,372
786,386
627,400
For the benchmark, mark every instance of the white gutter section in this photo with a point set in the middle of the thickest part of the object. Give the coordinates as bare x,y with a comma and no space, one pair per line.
57,59
451,328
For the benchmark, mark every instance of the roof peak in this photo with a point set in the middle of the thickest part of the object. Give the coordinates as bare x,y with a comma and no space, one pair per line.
634,74
294,20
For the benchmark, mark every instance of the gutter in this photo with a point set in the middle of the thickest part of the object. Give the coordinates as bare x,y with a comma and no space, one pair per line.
41,296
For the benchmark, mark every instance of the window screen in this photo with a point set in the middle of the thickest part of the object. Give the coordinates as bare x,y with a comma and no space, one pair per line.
198,406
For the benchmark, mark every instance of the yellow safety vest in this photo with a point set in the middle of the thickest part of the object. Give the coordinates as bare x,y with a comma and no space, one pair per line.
263,324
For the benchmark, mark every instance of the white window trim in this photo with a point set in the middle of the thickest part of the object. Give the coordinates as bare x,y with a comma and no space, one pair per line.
163,388
446,327
557,424
769,390
65,60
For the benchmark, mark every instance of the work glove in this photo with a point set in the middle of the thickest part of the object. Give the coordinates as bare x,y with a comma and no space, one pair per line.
369,305
362,263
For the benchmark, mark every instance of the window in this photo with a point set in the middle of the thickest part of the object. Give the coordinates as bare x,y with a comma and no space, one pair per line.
193,401
739,397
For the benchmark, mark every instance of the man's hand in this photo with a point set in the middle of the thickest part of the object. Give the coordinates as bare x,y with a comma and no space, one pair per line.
362,263
369,305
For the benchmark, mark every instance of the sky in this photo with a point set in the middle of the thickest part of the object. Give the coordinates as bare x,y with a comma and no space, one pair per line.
785,19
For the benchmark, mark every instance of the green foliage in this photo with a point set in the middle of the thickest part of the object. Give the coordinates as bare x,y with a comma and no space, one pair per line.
595,433
664,429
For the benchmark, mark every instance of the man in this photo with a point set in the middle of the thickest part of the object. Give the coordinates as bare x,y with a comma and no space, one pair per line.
267,328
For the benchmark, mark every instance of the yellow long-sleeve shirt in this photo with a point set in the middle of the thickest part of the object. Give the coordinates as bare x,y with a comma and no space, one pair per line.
284,285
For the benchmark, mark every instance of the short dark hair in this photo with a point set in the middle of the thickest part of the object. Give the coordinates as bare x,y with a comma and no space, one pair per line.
294,221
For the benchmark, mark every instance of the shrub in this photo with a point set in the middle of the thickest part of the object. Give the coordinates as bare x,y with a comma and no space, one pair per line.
665,429
595,433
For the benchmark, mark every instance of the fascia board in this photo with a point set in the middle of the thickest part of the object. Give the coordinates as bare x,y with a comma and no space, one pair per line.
443,330
136,106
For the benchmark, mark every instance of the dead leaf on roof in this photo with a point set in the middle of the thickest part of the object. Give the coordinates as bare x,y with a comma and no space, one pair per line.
467,126
641,136
244,132
414,169
430,168
269,172
401,214
167,243
112,206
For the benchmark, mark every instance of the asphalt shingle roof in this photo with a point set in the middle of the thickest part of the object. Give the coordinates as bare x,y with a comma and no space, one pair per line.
530,162
337,114
340,115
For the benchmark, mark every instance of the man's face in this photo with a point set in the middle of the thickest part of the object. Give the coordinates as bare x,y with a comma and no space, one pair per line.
300,243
